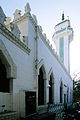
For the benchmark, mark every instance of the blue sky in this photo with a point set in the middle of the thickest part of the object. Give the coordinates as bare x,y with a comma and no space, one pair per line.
48,14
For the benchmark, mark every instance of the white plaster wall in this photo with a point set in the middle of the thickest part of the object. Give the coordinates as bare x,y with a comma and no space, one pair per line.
23,27
5,99
24,64
66,52
21,59
59,73
22,103
57,46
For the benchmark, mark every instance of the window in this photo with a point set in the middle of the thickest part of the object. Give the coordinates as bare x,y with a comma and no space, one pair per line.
4,81
61,49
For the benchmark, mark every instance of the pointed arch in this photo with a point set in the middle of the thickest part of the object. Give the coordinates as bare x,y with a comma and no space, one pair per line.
61,91
52,74
42,86
7,61
4,81
51,88
71,93
40,64
67,94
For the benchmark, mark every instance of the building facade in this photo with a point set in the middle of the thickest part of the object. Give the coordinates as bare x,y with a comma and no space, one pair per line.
32,74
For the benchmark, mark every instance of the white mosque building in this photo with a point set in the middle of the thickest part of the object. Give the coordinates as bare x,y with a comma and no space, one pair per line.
32,74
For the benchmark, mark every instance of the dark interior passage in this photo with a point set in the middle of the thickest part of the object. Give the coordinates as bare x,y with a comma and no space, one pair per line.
50,90
4,82
61,93
40,88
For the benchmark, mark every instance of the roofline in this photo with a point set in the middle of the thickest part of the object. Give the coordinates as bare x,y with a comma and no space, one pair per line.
61,22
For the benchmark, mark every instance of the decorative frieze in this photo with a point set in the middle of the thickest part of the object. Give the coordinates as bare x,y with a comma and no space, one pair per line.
17,14
34,18
8,23
40,28
44,36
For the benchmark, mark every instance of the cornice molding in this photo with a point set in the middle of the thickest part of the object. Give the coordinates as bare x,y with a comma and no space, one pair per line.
10,36
25,16
21,18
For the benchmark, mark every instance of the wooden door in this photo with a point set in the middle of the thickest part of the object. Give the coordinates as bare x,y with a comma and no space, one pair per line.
30,100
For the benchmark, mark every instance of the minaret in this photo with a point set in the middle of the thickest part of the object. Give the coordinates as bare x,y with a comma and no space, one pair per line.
62,37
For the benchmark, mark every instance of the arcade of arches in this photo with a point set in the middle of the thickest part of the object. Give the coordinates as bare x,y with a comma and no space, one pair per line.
5,85
42,87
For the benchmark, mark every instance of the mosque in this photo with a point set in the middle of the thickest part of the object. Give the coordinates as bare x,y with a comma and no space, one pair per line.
32,73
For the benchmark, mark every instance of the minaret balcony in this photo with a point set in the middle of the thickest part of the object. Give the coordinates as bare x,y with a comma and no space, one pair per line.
63,32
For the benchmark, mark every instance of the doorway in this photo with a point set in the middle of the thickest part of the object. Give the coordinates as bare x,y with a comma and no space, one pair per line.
30,101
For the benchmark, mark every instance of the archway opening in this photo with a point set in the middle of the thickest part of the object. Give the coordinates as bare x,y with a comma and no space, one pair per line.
61,92
41,86
67,94
51,90
4,81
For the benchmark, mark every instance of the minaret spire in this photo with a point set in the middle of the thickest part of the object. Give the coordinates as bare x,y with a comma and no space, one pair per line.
62,37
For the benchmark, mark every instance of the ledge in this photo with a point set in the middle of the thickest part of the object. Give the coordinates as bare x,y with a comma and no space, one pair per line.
10,36
9,116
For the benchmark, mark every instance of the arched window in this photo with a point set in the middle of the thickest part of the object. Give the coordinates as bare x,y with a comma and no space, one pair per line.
61,92
51,89
67,94
4,81
41,86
